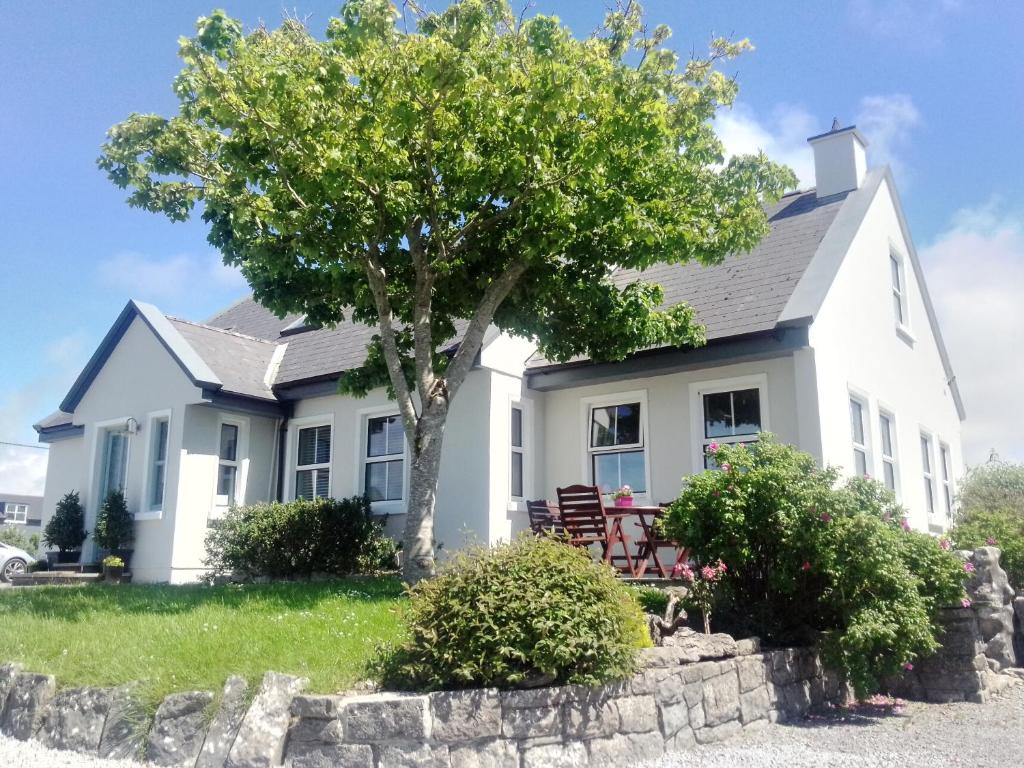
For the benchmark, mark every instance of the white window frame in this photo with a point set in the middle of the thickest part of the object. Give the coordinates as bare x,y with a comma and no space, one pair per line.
864,402
11,508
946,478
928,472
698,389
900,293
146,510
587,405
893,459
363,416
221,503
292,452
97,458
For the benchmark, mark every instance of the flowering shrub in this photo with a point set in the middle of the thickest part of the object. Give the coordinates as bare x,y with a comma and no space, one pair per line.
991,513
811,561
702,583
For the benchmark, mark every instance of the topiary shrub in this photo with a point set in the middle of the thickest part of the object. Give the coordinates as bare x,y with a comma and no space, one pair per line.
811,561
115,525
299,538
991,512
66,529
530,612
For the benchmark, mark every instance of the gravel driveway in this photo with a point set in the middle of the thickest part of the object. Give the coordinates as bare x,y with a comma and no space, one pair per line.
923,736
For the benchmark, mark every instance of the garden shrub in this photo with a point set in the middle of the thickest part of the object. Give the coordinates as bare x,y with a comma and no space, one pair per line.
300,538
523,613
15,537
66,529
115,525
811,561
991,511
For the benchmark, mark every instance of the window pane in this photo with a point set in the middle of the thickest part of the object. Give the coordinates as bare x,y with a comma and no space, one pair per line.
627,424
226,482
746,408
228,442
323,483
304,484
886,430
395,480
926,454
632,471
517,427
929,495
517,474
944,452
890,475
157,496
897,284
949,500
897,304
857,421
718,415
323,445
861,461
161,440
396,436
613,470
314,445
602,427
376,480
116,456
378,438
615,425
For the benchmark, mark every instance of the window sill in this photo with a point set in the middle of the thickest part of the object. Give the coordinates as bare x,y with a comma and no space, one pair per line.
388,507
904,333
154,514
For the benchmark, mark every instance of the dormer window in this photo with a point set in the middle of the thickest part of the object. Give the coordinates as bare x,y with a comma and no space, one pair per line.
899,291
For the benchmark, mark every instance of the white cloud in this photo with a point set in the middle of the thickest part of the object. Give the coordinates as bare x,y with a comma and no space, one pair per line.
22,469
151,278
782,136
887,123
914,23
975,274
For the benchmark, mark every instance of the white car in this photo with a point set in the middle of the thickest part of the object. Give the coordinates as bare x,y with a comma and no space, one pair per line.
13,561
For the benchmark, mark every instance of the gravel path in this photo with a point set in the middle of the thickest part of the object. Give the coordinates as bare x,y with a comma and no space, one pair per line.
922,736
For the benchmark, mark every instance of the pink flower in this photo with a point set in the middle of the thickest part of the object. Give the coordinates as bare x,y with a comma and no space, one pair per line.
721,567
909,667
991,542
726,466
969,567
682,571
965,603
806,566
708,572
716,493
905,524
713,448
945,544
826,517
677,571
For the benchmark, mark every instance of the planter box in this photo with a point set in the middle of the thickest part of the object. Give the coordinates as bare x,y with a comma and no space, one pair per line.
71,557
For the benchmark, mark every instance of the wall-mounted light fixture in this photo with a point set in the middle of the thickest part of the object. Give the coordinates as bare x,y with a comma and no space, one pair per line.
132,426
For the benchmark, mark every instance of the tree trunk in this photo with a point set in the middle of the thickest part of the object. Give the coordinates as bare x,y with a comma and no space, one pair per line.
418,539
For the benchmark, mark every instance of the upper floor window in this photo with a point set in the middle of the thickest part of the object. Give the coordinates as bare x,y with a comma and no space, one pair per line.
947,478
158,463
860,436
15,513
313,463
887,432
385,459
616,447
899,289
928,472
516,440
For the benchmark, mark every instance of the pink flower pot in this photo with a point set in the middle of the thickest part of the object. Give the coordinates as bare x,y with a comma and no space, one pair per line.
624,501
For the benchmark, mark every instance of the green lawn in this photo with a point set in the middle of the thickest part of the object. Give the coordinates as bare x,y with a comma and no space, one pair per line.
193,637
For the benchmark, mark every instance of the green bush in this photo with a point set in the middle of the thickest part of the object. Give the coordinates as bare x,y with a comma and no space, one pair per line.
115,525
651,599
15,537
66,529
531,611
991,510
299,538
813,562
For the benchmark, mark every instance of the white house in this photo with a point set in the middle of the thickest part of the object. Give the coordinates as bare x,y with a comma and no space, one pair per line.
824,335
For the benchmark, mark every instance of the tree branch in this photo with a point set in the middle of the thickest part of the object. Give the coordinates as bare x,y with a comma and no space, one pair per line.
422,332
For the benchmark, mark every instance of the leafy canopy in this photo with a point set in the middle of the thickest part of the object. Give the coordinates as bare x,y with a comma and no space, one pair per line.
479,164
991,511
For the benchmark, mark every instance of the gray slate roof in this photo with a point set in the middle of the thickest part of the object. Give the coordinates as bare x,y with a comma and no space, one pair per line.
240,361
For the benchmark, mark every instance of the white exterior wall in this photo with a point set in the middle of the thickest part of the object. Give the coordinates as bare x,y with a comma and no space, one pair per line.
65,471
858,349
672,424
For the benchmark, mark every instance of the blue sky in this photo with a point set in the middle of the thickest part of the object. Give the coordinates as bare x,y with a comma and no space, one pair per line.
936,85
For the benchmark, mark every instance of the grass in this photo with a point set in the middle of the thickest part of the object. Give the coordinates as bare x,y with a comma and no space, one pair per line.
178,638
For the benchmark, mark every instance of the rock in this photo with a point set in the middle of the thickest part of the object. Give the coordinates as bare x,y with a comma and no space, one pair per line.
721,700
225,725
179,729
424,756
330,756
491,754
715,646
754,705
26,700
667,656
382,717
261,737
748,646
320,707
124,732
624,749
570,755
713,735
587,717
74,720
752,672
637,714
460,716
8,672
673,718
533,723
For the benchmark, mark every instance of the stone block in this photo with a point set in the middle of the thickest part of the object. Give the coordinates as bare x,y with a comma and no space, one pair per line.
625,749
713,646
697,716
537,697
124,732
8,672
681,741
748,646
423,756
320,707
179,729
330,756
666,685
590,717
538,722
26,701
721,700
693,694
383,717
261,737
754,705
794,700
74,720
491,754
226,722
751,671
314,730
715,734
560,755
673,718
460,716
667,656
637,714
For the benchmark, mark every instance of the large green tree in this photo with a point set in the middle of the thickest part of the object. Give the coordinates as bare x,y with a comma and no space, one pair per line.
478,168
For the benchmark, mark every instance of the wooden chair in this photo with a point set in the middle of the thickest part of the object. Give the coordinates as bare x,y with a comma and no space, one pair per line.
649,544
586,523
544,517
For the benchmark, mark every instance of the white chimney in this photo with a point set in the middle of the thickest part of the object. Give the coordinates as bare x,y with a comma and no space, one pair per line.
839,160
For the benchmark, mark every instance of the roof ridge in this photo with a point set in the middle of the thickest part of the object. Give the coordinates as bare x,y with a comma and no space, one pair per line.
221,330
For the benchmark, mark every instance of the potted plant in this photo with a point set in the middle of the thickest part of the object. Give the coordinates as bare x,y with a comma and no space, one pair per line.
66,531
623,497
115,526
113,569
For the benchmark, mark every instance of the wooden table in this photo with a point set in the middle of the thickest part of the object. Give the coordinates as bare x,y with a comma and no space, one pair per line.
646,551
